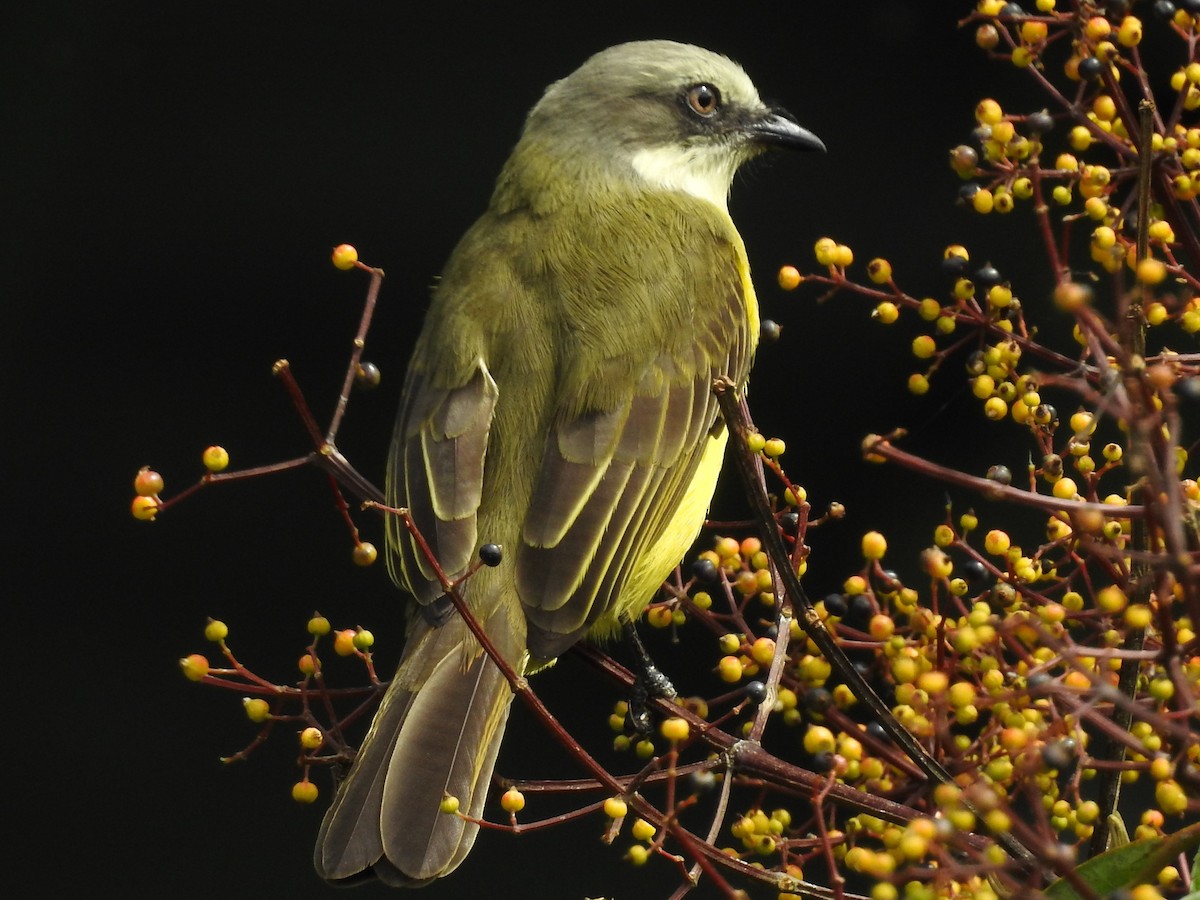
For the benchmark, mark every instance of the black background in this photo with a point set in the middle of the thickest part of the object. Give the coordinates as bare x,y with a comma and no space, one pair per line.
174,177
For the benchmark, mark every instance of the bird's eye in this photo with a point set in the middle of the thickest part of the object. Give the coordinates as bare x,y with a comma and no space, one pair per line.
703,99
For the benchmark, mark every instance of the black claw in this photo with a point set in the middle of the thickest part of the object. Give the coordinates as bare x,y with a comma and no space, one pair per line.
650,682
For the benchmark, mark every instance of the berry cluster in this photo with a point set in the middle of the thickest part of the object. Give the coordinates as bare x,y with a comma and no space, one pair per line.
310,706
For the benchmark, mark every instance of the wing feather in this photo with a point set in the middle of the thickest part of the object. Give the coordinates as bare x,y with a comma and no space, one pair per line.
437,473
581,560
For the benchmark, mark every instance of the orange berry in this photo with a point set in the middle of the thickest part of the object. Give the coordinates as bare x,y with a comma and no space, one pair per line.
148,482
343,642
194,667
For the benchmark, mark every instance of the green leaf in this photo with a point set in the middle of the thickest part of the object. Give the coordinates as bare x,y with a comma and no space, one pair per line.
1128,865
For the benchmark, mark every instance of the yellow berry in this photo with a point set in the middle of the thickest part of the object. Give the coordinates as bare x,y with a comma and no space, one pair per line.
637,854
344,257
1064,489
988,112
1097,28
615,808
449,804
1162,232
997,542
879,271
512,801
1033,31
918,384
762,651
144,509
1170,797
215,458
1129,34
675,729
923,346
825,251
256,708
1138,615
659,616
819,739
887,312
311,738
789,278
1000,296
729,668
216,630
642,830
874,545
1151,271
1111,599
304,791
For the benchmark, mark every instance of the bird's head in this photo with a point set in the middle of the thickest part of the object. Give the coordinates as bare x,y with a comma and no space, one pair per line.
668,115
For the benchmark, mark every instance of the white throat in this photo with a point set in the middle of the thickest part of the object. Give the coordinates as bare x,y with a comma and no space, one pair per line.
704,172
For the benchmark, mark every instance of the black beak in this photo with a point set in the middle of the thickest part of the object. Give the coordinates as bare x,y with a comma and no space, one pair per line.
779,129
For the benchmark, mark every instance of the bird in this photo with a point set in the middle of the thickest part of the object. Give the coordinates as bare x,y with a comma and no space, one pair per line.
558,403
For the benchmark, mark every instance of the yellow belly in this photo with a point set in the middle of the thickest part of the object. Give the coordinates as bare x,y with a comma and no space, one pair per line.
659,558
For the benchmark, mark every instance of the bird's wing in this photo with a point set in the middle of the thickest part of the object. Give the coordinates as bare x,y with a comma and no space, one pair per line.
615,472
435,470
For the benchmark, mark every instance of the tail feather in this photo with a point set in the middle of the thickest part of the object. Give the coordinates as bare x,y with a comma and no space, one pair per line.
441,737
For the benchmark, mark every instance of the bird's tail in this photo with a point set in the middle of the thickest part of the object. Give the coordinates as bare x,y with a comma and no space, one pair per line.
437,732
